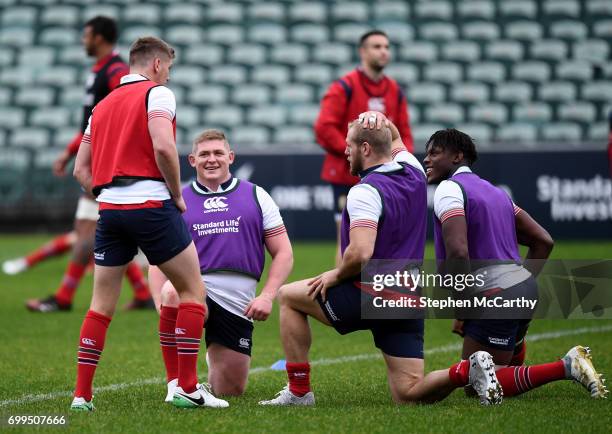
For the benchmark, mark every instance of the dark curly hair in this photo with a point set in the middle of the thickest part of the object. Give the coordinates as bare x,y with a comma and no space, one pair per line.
456,141
104,26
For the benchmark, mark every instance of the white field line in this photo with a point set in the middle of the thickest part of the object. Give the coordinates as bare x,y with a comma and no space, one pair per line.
26,399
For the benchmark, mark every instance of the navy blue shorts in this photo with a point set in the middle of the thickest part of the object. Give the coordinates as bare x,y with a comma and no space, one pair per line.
340,193
160,233
225,328
503,334
394,337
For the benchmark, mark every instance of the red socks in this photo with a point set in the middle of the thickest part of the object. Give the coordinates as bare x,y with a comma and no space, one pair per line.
520,379
459,373
139,284
56,246
188,331
299,378
167,324
91,344
70,282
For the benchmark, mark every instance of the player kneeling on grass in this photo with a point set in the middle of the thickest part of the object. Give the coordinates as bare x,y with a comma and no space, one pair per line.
230,221
392,182
476,224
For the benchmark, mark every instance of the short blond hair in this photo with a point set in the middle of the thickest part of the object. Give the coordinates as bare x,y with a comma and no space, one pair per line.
208,136
144,49
380,140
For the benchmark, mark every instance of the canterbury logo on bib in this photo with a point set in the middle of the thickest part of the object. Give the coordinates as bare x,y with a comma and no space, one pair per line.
215,203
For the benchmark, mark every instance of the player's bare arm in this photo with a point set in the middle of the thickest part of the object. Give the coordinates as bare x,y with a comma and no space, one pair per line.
280,249
166,157
82,165
358,252
529,233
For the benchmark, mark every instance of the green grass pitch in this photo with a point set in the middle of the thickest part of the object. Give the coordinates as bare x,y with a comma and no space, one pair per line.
37,369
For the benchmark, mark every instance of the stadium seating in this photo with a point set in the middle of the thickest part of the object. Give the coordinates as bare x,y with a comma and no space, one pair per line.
507,71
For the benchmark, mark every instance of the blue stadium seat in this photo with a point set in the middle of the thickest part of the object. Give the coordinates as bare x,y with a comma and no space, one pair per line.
13,171
207,94
469,92
494,113
60,36
310,33
578,111
205,54
461,51
67,16
481,133
574,70
446,72
6,95
561,131
268,115
426,93
592,50
598,8
30,138
188,75
251,94
404,73
517,132
294,135
557,91
268,33
422,132
350,32
518,8
505,50
438,31
292,54
141,13
598,132
476,9
414,114
349,11
19,16
247,54
532,71
315,73
73,55
16,36
91,11
603,28
192,34
419,51
438,9
568,8
11,117
50,117
267,11
225,12
304,114
597,91
344,69
270,74
549,49
226,115
332,52
64,135
36,57
39,96
524,30
294,93
188,115
397,32
7,56
481,30
532,112
513,91
447,113
391,10
252,135
568,29
16,76
228,74
490,72
186,13
310,12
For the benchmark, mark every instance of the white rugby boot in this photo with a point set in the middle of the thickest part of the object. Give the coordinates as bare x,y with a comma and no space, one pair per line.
483,378
285,397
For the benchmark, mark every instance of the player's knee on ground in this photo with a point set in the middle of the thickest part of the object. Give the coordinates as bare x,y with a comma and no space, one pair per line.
169,296
223,386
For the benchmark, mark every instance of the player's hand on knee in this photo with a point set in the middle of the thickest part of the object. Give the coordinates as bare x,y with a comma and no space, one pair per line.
259,308
320,284
373,120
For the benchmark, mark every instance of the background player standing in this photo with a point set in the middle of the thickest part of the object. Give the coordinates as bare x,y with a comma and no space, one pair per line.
100,35
363,89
